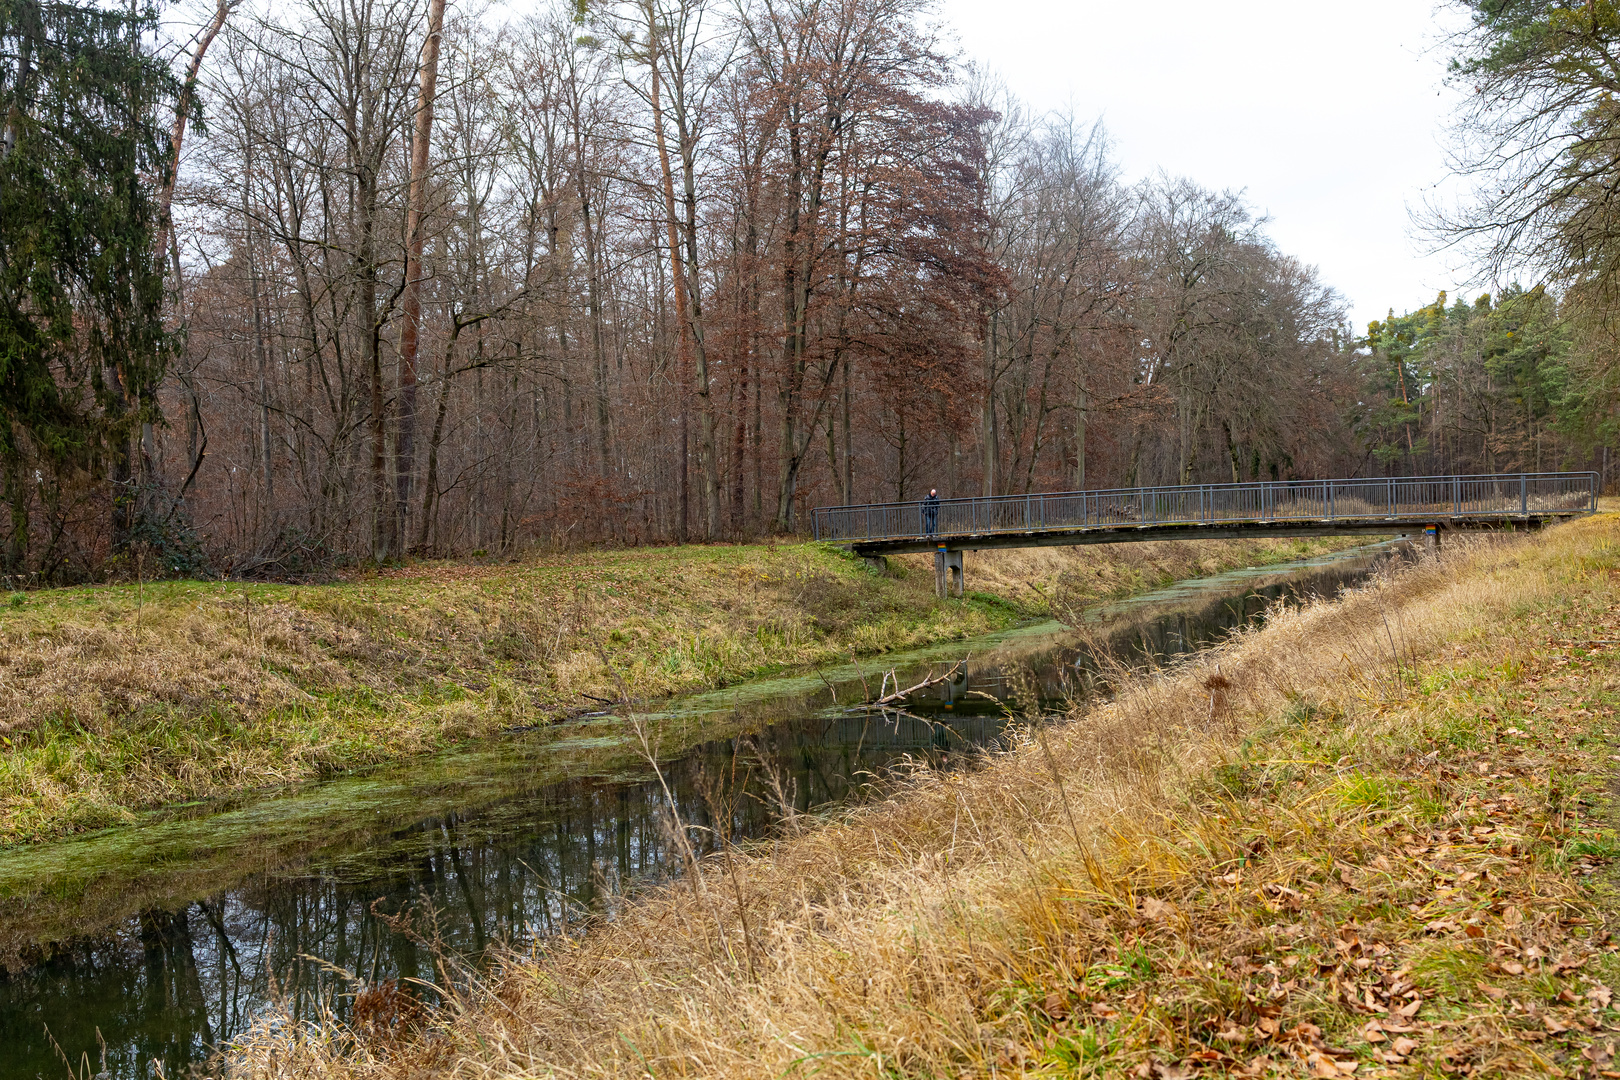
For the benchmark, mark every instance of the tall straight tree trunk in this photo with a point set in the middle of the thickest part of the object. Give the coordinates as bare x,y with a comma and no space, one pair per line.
430,483
758,435
1082,414
411,297
262,365
593,303
708,459
739,448
687,279
593,279
833,461
683,325
992,448
849,457
685,483
382,503
799,250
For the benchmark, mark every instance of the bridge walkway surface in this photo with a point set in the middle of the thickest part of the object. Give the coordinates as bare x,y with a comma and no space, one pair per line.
1377,506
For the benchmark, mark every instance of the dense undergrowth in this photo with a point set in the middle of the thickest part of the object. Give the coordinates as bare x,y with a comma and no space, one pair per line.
117,698
1372,838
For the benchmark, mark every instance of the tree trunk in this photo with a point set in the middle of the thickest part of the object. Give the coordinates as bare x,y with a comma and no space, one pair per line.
849,445
1082,414
683,324
593,302
992,450
739,448
382,516
411,296
182,114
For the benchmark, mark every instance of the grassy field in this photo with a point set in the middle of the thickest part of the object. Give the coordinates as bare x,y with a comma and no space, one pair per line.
1373,838
118,698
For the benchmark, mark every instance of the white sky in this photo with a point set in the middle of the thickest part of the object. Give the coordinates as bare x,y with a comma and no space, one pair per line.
1332,117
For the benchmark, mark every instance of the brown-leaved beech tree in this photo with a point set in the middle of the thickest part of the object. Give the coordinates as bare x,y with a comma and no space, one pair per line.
680,268
842,84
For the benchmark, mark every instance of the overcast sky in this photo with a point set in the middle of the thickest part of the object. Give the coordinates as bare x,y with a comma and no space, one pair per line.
1331,116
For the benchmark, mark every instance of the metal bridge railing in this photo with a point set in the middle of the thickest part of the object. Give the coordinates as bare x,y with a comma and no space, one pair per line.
1426,499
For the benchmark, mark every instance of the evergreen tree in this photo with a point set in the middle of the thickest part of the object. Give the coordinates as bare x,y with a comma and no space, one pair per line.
83,345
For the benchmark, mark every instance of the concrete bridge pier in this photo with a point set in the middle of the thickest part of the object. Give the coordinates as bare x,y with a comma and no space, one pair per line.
949,576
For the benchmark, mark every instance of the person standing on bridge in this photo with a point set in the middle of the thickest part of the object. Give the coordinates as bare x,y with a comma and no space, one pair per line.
930,511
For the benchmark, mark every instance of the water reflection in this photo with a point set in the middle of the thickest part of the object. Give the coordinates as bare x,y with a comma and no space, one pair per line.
174,982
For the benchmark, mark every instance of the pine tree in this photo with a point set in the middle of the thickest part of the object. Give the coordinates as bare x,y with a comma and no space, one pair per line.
83,345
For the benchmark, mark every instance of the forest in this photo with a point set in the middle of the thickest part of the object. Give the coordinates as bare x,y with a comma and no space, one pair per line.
338,281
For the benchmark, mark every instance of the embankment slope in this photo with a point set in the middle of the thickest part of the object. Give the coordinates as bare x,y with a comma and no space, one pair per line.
118,698
1372,838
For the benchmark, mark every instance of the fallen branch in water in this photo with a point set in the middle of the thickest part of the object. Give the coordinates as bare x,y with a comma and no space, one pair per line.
900,695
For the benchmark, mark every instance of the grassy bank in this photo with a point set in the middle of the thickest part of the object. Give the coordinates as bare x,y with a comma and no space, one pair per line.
118,698
1372,838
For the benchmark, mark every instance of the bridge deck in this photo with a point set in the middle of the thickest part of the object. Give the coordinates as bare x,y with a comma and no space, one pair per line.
1198,511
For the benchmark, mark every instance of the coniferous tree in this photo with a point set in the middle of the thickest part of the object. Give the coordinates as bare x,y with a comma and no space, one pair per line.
82,340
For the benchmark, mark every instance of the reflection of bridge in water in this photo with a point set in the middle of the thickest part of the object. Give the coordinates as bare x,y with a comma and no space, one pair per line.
1377,506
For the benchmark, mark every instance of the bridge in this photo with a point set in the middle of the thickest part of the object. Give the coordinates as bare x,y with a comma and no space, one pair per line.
1376,506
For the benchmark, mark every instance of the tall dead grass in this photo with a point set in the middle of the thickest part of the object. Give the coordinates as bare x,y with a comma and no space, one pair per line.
900,938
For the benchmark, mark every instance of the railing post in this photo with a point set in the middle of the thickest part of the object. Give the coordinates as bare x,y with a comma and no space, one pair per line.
1456,496
1330,500
1524,495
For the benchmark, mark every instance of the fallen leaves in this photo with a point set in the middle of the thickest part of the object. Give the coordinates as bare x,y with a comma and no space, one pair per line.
1281,898
1601,1055
1157,910
1454,939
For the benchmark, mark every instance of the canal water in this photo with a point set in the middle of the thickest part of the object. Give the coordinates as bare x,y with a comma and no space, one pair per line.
163,940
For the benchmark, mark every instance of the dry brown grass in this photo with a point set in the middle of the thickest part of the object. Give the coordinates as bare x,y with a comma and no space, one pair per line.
1235,865
117,698
1073,577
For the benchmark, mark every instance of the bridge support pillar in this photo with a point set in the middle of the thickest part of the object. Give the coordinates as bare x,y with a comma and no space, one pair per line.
1431,539
949,576
878,564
